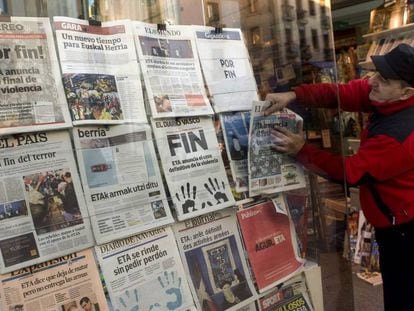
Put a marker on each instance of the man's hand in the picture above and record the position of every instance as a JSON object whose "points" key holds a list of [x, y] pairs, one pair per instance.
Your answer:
{"points": [[287, 141], [279, 101]]}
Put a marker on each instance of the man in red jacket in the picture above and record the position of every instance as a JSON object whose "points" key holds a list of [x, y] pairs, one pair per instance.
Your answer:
{"points": [[383, 167]]}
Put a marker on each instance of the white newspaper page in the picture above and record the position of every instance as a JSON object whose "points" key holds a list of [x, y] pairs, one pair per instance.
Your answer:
{"points": [[236, 137], [171, 71], [145, 272], [212, 252], [66, 283], [270, 171], [101, 75], [32, 96], [227, 69], [42, 208], [121, 179], [192, 165]]}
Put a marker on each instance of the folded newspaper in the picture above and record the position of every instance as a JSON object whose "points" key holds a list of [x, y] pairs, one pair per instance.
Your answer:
{"points": [[292, 296], [145, 272], [65, 283], [270, 171], [122, 182], [32, 97], [171, 71], [101, 74], [226, 68], [213, 255], [192, 165], [42, 209]]}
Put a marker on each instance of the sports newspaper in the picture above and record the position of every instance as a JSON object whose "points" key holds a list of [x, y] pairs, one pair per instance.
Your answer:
{"points": [[292, 296]]}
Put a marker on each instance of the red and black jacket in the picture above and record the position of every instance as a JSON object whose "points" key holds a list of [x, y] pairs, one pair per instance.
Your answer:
{"points": [[386, 154]]}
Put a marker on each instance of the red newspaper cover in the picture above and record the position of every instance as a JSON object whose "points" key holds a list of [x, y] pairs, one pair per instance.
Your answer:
{"points": [[269, 239]]}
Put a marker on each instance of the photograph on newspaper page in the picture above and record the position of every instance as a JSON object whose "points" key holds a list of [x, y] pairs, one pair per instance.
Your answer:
{"points": [[101, 75], [236, 138], [213, 257], [271, 244], [171, 70], [226, 67], [192, 165], [270, 171], [121, 179], [65, 283], [145, 272], [293, 295], [42, 208], [32, 97]]}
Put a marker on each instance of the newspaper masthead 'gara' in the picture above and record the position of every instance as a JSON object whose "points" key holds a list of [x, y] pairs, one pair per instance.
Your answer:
{"points": [[101, 75]]}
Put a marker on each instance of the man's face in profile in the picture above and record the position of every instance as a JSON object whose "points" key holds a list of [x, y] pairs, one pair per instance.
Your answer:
{"points": [[87, 306]]}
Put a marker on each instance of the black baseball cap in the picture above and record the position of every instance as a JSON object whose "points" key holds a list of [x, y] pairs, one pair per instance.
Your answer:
{"points": [[398, 64]]}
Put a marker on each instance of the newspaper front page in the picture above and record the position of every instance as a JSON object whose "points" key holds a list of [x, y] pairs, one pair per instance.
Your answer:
{"points": [[211, 249], [226, 68], [236, 137], [66, 283], [171, 71], [192, 165], [42, 208], [32, 95], [145, 272], [121, 179], [101, 75], [292, 296], [270, 171], [271, 243]]}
